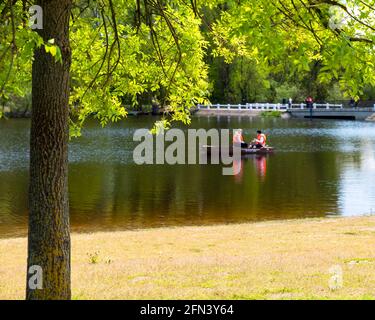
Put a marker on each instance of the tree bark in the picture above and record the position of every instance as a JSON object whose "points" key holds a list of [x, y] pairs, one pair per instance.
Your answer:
{"points": [[49, 231]]}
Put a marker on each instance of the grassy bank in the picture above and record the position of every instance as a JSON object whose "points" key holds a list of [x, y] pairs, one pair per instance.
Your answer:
{"points": [[268, 260], [271, 114]]}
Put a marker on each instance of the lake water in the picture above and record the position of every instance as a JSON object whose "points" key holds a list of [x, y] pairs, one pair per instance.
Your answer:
{"points": [[320, 168]]}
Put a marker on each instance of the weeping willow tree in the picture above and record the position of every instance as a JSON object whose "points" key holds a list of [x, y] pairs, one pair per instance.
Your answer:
{"points": [[91, 55]]}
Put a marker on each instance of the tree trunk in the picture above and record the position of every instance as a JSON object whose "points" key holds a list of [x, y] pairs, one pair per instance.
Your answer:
{"points": [[49, 231]]}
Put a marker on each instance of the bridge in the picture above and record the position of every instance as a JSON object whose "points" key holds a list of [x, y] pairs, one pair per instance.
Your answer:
{"points": [[319, 110]]}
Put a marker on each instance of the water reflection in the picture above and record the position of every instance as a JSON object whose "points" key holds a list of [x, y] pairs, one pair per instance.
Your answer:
{"points": [[261, 166], [238, 166], [259, 162], [319, 168], [356, 192]]}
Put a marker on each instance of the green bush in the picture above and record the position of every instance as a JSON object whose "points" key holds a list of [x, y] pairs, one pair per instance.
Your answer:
{"points": [[274, 114]]}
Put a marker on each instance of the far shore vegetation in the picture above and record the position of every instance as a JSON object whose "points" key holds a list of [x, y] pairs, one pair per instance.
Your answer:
{"points": [[271, 114]]}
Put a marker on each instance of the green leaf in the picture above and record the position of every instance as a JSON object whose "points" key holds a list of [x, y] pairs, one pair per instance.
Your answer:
{"points": [[53, 50]]}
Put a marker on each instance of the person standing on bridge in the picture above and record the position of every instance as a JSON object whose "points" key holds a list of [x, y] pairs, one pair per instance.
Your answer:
{"points": [[309, 102], [353, 103]]}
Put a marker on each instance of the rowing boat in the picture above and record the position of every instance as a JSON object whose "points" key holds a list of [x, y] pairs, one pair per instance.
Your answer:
{"points": [[244, 151]]}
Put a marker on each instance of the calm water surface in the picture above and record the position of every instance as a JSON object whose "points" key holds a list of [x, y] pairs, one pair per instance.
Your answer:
{"points": [[321, 168]]}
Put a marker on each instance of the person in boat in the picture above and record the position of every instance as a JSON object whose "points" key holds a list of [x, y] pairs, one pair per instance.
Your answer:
{"points": [[259, 141], [238, 139]]}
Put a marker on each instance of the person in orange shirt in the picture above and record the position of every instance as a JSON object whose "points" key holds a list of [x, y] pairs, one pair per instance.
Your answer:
{"points": [[260, 140]]}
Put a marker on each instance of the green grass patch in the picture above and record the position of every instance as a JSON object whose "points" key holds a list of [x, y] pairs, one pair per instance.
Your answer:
{"points": [[360, 260], [271, 114]]}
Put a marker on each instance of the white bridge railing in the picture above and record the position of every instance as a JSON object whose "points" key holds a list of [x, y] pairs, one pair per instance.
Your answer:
{"points": [[267, 106]]}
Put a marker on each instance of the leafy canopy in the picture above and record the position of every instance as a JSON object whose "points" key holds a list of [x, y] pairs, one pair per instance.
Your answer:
{"points": [[158, 50]]}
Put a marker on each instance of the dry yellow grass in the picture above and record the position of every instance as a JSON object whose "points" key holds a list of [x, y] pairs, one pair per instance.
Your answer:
{"points": [[267, 260]]}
